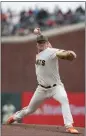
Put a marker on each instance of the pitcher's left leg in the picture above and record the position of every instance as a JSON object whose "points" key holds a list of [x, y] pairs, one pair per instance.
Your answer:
{"points": [[61, 96]]}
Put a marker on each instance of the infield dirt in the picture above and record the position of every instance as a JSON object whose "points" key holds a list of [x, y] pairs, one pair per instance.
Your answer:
{"points": [[37, 130]]}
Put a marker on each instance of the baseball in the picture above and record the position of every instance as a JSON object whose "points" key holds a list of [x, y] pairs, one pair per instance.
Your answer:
{"points": [[36, 31]]}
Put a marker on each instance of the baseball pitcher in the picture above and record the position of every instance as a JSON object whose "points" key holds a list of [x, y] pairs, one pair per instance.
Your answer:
{"points": [[49, 82]]}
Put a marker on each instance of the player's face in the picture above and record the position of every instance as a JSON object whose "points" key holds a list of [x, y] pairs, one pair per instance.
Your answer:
{"points": [[42, 46]]}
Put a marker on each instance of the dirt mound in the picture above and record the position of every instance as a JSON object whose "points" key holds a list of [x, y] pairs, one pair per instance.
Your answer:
{"points": [[37, 130]]}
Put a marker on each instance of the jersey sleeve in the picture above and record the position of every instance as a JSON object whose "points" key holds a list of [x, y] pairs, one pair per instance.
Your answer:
{"points": [[54, 52]]}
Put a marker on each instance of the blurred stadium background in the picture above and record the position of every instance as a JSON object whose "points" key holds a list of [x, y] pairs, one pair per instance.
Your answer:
{"points": [[66, 30]]}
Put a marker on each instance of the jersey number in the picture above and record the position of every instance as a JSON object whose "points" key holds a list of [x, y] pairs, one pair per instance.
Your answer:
{"points": [[40, 62]]}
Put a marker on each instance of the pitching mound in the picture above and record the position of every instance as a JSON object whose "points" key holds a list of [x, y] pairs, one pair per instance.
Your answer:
{"points": [[37, 130]]}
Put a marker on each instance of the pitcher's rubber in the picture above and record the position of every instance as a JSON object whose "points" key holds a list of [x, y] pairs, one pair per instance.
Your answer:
{"points": [[37, 130]]}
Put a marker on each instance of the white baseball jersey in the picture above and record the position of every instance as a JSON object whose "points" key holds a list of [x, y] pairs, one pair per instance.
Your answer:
{"points": [[47, 68], [47, 71]]}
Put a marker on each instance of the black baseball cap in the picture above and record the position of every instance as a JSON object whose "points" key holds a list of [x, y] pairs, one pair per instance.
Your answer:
{"points": [[42, 39]]}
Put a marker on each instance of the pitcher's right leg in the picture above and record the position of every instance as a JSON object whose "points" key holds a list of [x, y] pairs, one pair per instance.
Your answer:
{"points": [[61, 96], [38, 97]]}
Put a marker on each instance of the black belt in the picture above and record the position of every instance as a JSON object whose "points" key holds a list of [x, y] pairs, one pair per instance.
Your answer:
{"points": [[47, 86]]}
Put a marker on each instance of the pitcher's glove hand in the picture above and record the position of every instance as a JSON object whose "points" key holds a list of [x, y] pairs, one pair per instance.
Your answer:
{"points": [[71, 55]]}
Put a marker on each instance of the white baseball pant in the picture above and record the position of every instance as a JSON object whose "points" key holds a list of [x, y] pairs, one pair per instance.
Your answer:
{"points": [[58, 93]]}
